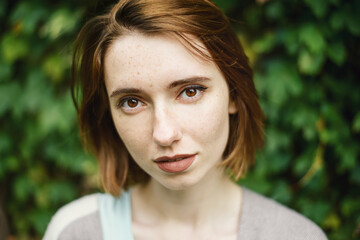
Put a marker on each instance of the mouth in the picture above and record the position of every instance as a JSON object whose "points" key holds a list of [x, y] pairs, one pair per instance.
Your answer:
{"points": [[175, 164], [174, 158]]}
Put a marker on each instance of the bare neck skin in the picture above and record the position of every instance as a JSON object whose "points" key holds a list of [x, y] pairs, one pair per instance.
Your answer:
{"points": [[210, 208]]}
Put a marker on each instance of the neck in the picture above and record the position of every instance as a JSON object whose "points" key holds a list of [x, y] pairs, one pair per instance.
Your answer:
{"points": [[196, 205]]}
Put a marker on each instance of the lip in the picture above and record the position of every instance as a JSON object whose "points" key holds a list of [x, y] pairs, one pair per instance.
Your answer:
{"points": [[175, 164], [173, 158]]}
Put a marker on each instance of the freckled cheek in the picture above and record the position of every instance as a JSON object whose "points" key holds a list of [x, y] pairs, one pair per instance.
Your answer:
{"points": [[134, 132], [207, 123]]}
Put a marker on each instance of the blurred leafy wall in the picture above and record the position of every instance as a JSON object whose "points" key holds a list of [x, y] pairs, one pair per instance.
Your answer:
{"points": [[306, 60]]}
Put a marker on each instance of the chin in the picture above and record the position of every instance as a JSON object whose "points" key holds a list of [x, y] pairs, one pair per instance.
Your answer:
{"points": [[179, 183]]}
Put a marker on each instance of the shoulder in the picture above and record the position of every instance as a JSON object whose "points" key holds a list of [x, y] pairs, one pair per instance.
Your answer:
{"points": [[76, 220], [263, 218]]}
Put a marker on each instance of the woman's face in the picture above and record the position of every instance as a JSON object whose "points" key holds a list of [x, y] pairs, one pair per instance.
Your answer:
{"points": [[170, 108]]}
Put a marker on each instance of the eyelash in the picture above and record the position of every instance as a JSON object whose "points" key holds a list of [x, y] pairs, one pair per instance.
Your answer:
{"points": [[197, 88], [124, 100]]}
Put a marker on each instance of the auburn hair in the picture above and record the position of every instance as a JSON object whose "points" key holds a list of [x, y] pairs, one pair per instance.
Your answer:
{"points": [[201, 19]]}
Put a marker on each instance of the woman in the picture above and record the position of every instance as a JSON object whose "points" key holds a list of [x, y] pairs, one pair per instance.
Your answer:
{"points": [[168, 106]]}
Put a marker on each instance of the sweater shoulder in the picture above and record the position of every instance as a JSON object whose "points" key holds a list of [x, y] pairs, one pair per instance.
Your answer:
{"points": [[75, 219], [264, 218]]}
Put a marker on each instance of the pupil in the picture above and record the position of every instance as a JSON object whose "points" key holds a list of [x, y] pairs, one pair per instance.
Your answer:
{"points": [[132, 103], [190, 92]]}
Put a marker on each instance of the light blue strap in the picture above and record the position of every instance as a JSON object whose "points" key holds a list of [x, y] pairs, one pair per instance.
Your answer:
{"points": [[115, 216]]}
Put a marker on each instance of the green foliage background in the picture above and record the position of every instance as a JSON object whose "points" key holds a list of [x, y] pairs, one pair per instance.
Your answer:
{"points": [[306, 59]]}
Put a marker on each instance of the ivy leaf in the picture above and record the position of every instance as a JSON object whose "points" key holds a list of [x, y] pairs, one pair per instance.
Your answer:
{"points": [[337, 53], [311, 36], [14, 47], [55, 66], [225, 5], [281, 192], [265, 43], [356, 123], [282, 81], [318, 7], [353, 20], [5, 71], [9, 92], [310, 64], [62, 21], [27, 16], [337, 20]]}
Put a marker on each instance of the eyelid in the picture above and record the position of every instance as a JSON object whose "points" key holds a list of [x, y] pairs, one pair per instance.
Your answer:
{"points": [[122, 100], [199, 88]]}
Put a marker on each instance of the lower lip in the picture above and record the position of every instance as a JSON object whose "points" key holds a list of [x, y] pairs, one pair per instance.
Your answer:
{"points": [[177, 166]]}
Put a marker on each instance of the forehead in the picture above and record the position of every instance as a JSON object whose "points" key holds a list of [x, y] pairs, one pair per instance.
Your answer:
{"points": [[137, 56]]}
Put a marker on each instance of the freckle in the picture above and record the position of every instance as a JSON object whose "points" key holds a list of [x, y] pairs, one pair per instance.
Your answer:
{"points": [[137, 73]]}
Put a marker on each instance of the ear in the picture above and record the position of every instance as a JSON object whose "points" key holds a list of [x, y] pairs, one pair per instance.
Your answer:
{"points": [[232, 107]]}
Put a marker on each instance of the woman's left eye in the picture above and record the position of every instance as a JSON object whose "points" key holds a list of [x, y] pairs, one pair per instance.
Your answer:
{"points": [[191, 92]]}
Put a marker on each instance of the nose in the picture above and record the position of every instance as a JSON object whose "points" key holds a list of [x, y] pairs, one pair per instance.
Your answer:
{"points": [[166, 131]]}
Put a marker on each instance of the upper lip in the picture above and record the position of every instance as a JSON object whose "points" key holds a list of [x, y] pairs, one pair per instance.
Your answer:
{"points": [[173, 158]]}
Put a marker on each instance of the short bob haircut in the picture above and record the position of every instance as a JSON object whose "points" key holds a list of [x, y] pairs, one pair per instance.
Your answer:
{"points": [[185, 19]]}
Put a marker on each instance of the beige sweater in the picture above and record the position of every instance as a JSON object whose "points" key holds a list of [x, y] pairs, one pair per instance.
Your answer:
{"points": [[261, 219]]}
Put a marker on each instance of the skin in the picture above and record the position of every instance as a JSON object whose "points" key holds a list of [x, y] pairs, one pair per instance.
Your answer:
{"points": [[165, 101]]}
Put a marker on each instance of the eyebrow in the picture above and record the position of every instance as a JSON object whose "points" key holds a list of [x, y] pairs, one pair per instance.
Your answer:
{"points": [[172, 85], [187, 81], [124, 90]]}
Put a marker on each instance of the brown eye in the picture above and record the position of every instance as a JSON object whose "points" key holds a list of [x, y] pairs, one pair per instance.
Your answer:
{"points": [[132, 103], [129, 103], [190, 92]]}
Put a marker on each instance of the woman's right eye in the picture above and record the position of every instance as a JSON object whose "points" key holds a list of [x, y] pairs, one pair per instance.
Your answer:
{"points": [[130, 104]]}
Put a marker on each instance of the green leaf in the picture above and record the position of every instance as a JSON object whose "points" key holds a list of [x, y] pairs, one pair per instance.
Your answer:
{"points": [[355, 175], [348, 155], [56, 65], [310, 64], [27, 16], [61, 191], [315, 209], [35, 93], [279, 163], [265, 43], [62, 21], [353, 21], [256, 184], [337, 20], [337, 53], [5, 142], [12, 163], [281, 192], [5, 72], [312, 37], [23, 188], [40, 219], [57, 115], [9, 93], [318, 7], [282, 81], [225, 5], [349, 205], [291, 40], [274, 10], [14, 47], [3, 8], [332, 221], [304, 162], [356, 123], [305, 118]]}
